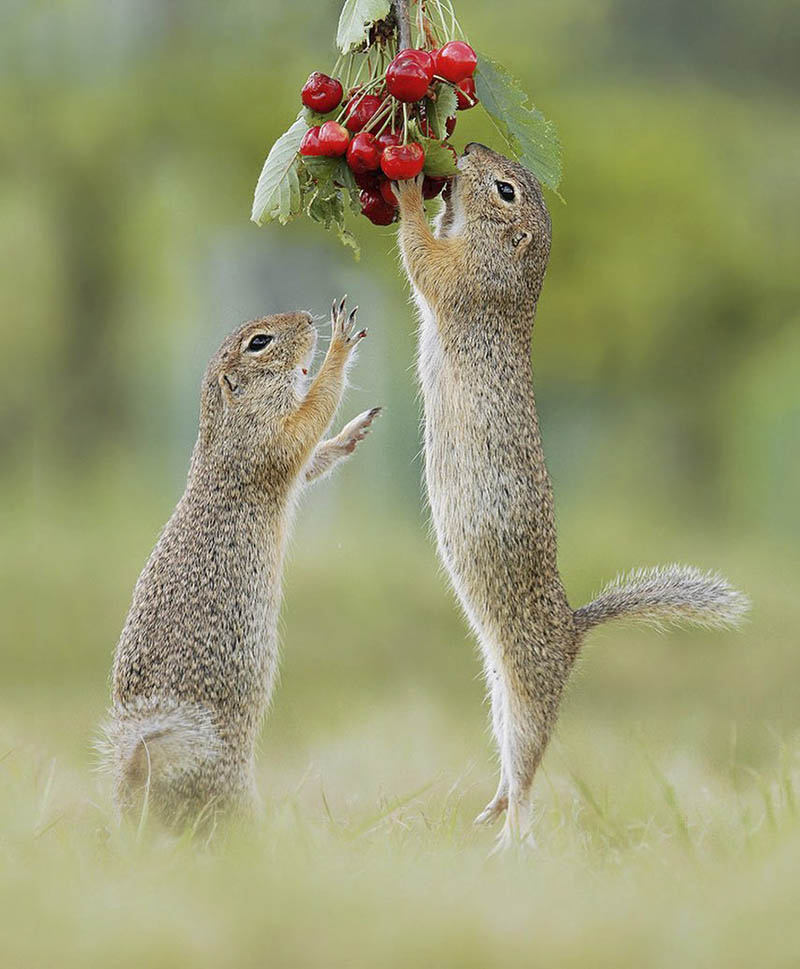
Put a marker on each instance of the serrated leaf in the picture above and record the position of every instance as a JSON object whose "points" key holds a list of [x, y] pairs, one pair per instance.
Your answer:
{"points": [[530, 136], [354, 198], [439, 160], [326, 205], [437, 112], [347, 238], [278, 194], [346, 178], [289, 196], [334, 170], [312, 118], [326, 208], [356, 18]]}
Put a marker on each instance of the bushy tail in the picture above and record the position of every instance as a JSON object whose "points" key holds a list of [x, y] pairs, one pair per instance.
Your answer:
{"points": [[664, 595], [152, 740]]}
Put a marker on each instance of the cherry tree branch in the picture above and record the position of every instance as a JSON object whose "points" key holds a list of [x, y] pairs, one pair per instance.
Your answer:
{"points": [[403, 15]]}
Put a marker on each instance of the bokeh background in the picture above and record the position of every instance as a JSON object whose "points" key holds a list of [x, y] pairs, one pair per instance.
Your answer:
{"points": [[667, 362]]}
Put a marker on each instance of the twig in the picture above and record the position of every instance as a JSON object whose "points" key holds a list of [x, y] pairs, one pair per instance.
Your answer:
{"points": [[401, 12]]}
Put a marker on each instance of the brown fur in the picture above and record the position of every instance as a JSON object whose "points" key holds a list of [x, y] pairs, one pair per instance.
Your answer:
{"points": [[477, 283], [196, 661]]}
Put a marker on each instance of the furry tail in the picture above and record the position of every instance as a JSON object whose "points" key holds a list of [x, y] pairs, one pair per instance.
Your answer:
{"points": [[156, 741], [667, 594]]}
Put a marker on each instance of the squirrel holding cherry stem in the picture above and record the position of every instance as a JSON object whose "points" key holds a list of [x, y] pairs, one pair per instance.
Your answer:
{"points": [[476, 280], [196, 661]]}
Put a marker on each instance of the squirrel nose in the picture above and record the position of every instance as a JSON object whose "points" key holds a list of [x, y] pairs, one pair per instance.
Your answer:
{"points": [[474, 144]]}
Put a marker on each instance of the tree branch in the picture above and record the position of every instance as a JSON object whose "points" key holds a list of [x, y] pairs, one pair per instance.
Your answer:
{"points": [[403, 15]]}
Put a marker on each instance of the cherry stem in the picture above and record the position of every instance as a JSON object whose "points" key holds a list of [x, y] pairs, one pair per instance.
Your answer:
{"points": [[360, 97], [384, 111], [456, 88]]}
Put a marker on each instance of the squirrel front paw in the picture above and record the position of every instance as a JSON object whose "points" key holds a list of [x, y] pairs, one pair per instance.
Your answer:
{"points": [[356, 430], [408, 193], [343, 327]]}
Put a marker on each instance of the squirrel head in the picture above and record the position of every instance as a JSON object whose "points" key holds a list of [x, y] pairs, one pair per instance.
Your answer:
{"points": [[497, 206], [256, 376]]}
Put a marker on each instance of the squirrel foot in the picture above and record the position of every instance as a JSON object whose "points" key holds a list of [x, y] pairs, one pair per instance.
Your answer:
{"points": [[493, 810], [517, 831], [510, 841]]}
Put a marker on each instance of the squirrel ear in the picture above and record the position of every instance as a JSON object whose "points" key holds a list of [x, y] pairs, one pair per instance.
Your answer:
{"points": [[230, 386], [521, 239]]}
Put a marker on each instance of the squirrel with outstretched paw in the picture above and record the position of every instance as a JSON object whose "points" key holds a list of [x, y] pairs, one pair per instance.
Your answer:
{"points": [[476, 280], [196, 661]]}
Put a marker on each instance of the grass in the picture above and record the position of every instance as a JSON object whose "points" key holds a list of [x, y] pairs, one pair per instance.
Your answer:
{"points": [[656, 864], [667, 807]]}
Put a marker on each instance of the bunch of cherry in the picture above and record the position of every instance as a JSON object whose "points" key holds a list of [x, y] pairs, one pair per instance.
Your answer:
{"points": [[365, 133]]}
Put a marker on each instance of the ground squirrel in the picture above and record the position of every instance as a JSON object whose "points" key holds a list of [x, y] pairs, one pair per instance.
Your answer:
{"points": [[477, 281], [195, 664]]}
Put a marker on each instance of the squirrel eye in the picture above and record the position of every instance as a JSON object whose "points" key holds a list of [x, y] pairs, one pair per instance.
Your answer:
{"points": [[259, 341], [505, 191]]}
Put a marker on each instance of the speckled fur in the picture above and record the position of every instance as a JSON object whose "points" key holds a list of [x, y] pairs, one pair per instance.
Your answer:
{"points": [[476, 282], [196, 661]]}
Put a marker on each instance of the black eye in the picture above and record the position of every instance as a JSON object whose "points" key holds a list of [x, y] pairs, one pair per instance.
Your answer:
{"points": [[259, 341], [505, 191]]}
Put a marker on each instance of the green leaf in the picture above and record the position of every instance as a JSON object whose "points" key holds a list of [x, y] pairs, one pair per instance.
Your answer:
{"points": [[345, 177], [531, 138], [437, 112], [278, 194], [312, 118], [326, 208], [335, 170], [347, 238], [326, 205], [439, 160], [356, 18]]}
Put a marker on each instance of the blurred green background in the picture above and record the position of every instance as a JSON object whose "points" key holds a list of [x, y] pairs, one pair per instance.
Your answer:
{"points": [[667, 362]]}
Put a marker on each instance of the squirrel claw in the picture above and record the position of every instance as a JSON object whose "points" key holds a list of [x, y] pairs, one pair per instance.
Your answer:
{"points": [[343, 324], [407, 189], [493, 810], [358, 429]]}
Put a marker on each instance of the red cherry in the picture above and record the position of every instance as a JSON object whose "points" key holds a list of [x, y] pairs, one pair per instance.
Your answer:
{"points": [[409, 75], [450, 125], [360, 109], [431, 186], [387, 138], [465, 94], [403, 161], [321, 93], [333, 139], [388, 195], [455, 61], [370, 180], [363, 154], [375, 208], [423, 57], [310, 144]]}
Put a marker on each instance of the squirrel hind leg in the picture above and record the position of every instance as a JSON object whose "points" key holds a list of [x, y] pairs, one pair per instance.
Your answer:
{"points": [[497, 806], [527, 723]]}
